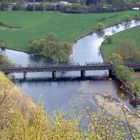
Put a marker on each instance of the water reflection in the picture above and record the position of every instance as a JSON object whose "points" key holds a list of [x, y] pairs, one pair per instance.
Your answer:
{"points": [[59, 95], [100, 34], [127, 25]]}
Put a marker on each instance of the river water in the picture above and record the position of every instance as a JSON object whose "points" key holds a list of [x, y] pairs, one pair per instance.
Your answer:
{"points": [[61, 95]]}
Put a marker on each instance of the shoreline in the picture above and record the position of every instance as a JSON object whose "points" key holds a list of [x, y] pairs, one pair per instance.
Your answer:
{"points": [[101, 52], [73, 44], [94, 30], [77, 38]]}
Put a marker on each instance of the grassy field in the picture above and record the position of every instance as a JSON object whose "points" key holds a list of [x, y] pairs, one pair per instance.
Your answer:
{"points": [[139, 80], [133, 33], [67, 27]]}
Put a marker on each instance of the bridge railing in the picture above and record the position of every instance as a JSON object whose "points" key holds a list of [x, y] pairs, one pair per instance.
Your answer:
{"points": [[71, 67]]}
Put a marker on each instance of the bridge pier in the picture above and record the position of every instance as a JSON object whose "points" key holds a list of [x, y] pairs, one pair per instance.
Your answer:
{"points": [[83, 74], [24, 75], [53, 74], [80, 68], [13, 77], [111, 74]]}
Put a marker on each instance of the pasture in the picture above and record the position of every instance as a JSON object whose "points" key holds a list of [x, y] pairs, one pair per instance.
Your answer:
{"points": [[67, 27], [133, 33]]}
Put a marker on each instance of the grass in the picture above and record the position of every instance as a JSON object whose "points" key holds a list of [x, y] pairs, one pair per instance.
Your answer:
{"points": [[133, 33], [67, 27], [138, 79]]}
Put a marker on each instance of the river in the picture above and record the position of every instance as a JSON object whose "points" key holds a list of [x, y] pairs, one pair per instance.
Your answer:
{"points": [[61, 95]]}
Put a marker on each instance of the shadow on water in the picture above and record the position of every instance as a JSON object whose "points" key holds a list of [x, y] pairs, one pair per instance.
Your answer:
{"points": [[100, 33], [60, 79], [38, 59], [58, 93]]}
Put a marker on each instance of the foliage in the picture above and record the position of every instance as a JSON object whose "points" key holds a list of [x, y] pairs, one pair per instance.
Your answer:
{"points": [[32, 123], [125, 75], [128, 18], [57, 5], [4, 60], [40, 127], [108, 39], [52, 48], [100, 26], [126, 48], [75, 8], [129, 49], [135, 87], [116, 59]]}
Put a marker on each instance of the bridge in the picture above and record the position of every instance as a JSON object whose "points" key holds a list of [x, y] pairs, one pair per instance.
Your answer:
{"points": [[64, 68]]}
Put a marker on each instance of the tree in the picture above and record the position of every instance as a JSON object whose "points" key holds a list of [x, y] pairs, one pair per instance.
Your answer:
{"points": [[88, 2], [108, 39], [4, 61], [100, 26], [116, 59], [38, 125], [126, 48], [136, 56], [52, 48], [124, 74]]}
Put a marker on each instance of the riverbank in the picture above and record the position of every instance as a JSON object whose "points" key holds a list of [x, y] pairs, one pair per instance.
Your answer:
{"points": [[59, 94], [107, 49], [65, 26], [118, 110]]}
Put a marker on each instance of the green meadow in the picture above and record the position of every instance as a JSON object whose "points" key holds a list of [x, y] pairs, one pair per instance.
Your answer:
{"points": [[133, 33], [67, 27]]}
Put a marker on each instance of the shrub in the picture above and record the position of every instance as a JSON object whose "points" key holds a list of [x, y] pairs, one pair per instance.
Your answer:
{"points": [[52, 48], [100, 26], [29, 7], [108, 39]]}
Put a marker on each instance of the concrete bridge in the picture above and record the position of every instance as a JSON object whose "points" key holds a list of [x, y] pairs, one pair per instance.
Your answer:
{"points": [[64, 68]]}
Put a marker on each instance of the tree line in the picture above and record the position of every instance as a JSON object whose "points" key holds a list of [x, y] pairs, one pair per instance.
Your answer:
{"points": [[74, 6]]}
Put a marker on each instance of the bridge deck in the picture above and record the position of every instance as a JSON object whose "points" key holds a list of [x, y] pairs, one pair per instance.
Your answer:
{"points": [[51, 68]]}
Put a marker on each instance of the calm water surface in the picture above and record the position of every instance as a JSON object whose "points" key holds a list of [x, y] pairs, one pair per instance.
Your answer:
{"points": [[60, 95]]}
